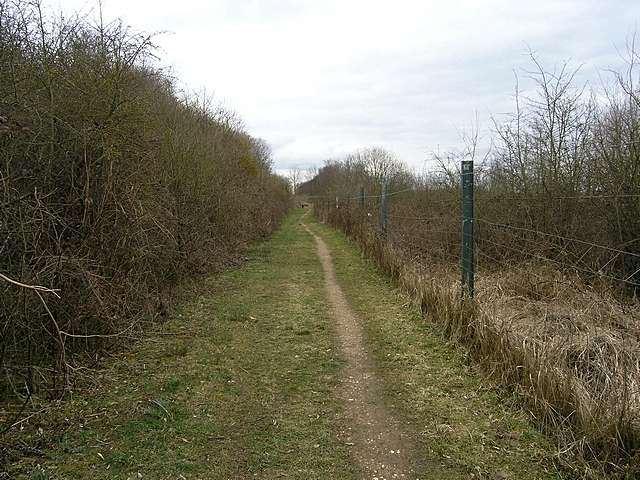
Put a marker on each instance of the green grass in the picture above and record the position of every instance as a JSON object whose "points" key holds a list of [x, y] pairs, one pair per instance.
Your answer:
{"points": [[238, 384], [464, 427]]}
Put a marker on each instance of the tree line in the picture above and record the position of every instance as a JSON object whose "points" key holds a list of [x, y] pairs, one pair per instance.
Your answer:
{"points": [[115, 185]]}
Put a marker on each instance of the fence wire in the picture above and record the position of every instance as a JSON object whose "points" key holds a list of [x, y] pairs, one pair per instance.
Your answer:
{"points": [[421, 221]]}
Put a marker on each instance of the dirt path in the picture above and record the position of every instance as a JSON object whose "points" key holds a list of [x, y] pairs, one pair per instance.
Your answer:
{"points": [[380, 448]]}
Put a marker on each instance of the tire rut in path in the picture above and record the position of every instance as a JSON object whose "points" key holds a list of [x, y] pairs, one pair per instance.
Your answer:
{"points": [[380, 448]]}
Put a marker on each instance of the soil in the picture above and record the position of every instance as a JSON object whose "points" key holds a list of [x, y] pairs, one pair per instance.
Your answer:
{"points": [[380, 447]]}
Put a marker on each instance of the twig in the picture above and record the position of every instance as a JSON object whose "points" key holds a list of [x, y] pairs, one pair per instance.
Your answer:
{"points": [[37, 288], [13, 423], [158, 404]]}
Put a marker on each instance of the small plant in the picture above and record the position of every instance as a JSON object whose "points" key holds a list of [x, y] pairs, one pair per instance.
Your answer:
{"points": [[39, 473]]}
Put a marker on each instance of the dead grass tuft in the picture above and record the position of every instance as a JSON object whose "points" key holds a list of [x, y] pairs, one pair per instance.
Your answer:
{"points": [[569, 349]]}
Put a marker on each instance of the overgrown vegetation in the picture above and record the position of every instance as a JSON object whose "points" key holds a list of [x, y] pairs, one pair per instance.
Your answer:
{"points": [[114, 186], [558, 255]]}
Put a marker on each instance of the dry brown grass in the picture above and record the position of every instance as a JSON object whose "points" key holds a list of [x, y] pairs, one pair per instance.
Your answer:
{"points": [[568, 348]]}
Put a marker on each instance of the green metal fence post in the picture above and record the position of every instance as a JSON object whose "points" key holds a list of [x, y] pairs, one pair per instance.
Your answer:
{"points": [[361, 198], [468, 267], [384, 210]]}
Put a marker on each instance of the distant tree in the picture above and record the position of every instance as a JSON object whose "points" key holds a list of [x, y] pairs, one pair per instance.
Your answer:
{"points": [[296, 177]]}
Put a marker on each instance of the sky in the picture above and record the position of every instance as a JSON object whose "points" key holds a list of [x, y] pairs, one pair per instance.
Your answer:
{"points": [[318, 79]]}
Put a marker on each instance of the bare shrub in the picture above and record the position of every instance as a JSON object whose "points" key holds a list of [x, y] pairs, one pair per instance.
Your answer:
{"points": [[114, 186]]}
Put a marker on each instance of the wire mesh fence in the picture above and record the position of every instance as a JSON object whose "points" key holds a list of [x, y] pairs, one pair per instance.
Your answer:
{"points": [[555, 312], [420, 215]]}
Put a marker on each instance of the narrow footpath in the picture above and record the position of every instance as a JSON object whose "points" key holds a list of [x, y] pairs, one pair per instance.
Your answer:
{"points": [[304, 363], [381, 449]]}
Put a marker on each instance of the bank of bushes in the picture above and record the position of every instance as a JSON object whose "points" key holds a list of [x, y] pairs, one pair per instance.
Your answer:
{"points": [[114, 187]]}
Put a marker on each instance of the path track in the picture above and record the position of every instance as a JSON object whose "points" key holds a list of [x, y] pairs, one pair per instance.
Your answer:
{"points": [[380, 447], [273, 370]]}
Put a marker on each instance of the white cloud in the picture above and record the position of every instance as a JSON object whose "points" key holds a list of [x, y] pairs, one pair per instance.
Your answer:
{"points": [[319, 78]]}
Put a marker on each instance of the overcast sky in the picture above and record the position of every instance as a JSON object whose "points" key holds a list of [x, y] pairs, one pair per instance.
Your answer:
{"points": [[320, 78]]}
